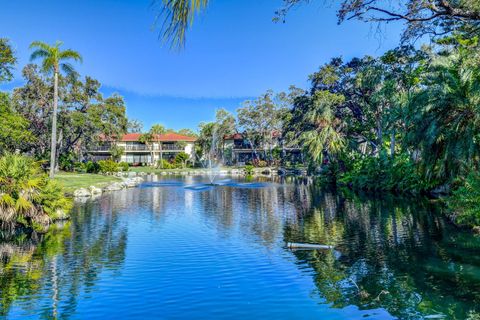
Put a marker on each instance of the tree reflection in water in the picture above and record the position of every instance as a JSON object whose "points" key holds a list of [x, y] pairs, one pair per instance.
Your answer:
{"points": [[391, 253], [394, 253], [57, 266]]}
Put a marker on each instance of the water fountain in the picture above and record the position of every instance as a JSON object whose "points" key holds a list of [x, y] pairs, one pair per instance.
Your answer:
{"points": [[213, 171]]}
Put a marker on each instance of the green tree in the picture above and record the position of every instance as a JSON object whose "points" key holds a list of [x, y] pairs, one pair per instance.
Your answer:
{"points": [[156, 130], [148, 139], [445, 112], [7, 60], [322, 133], [14, 128], [182, 158], [116, 152], [262, 120], [54, 60], [134, 126], [187, 132], [85, 117]]}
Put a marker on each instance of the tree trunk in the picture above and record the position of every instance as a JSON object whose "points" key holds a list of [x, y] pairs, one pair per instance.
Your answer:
{"points": [[54, 126], [152, 152], [161, 155]]}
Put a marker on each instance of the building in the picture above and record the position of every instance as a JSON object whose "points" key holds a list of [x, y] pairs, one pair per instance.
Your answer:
{"points": [[240, 150], [165, 146]]}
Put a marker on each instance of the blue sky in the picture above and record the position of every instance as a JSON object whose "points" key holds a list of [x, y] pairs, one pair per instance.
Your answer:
{"points": [[233, 52]]}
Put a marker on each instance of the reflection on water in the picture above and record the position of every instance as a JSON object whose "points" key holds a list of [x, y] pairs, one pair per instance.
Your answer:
{"points": [[172, 249]]}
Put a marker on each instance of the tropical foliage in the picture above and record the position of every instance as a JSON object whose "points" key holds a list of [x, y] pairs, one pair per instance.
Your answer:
{"points": [[27, 196], [54, 61], [465, 201]]}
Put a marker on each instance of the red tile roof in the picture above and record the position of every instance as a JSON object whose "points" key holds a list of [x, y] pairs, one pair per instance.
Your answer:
{"points": [[161, 137]]}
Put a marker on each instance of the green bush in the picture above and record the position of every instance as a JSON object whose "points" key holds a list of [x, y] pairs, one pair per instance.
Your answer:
{"points": [[66, 161], [124, 166], [27, 196], [383, 174], [79, 167], [108, 166], [164, 164], [465, 201], [181, 159], [92, 167], [248, 169]]}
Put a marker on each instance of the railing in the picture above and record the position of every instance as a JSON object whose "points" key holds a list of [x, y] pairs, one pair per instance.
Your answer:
{"points": [[172, 147], [140, 147], [98, 158], [103, 148], [137, 148]]}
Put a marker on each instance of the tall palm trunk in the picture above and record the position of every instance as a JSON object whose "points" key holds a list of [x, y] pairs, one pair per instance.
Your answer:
{"points": [[54, 126]]}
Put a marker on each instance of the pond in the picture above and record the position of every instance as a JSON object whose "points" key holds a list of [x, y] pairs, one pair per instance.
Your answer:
{"points": [[177, 248]]}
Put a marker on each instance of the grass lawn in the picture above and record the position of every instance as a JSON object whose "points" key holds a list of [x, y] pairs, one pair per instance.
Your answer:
{"points": [[73, 181]]}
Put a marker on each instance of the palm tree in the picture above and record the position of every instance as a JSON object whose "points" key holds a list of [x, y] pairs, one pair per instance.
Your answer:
{"points": [[322, 132], [147, 138], [156, 131], [447, 117], [54, 61]]}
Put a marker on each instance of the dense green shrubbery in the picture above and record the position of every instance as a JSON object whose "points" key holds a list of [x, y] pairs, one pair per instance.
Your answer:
{"points": [[164, 164], [27, 196], [465, 201], [92, 167], [123, 166], [248, 169], [108, 166], [383, 174], [66, 161], [181, 159], [179, 162]]}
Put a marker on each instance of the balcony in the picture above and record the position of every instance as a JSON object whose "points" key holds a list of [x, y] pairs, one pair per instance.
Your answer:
{"points": [[102, 148], [172, 147], [139, 147], [242, 146]]}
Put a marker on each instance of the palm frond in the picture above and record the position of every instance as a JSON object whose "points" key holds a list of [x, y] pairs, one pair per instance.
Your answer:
{"points": [[176, 16], [40, 45], [67, 68], [70, 54]]}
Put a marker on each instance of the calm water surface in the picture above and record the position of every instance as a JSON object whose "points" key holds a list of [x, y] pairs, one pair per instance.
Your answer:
{"points": [[174, 248]]}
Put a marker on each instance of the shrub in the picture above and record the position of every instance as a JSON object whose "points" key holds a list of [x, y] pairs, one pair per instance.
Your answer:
{"points": [[66, 161], [261, 163], [79, 167], [181, 159], [108, 166], [164, 164], [248, 170], [465, 201], [27, 196], [92, 167], [124, 166], [383, 174]]}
